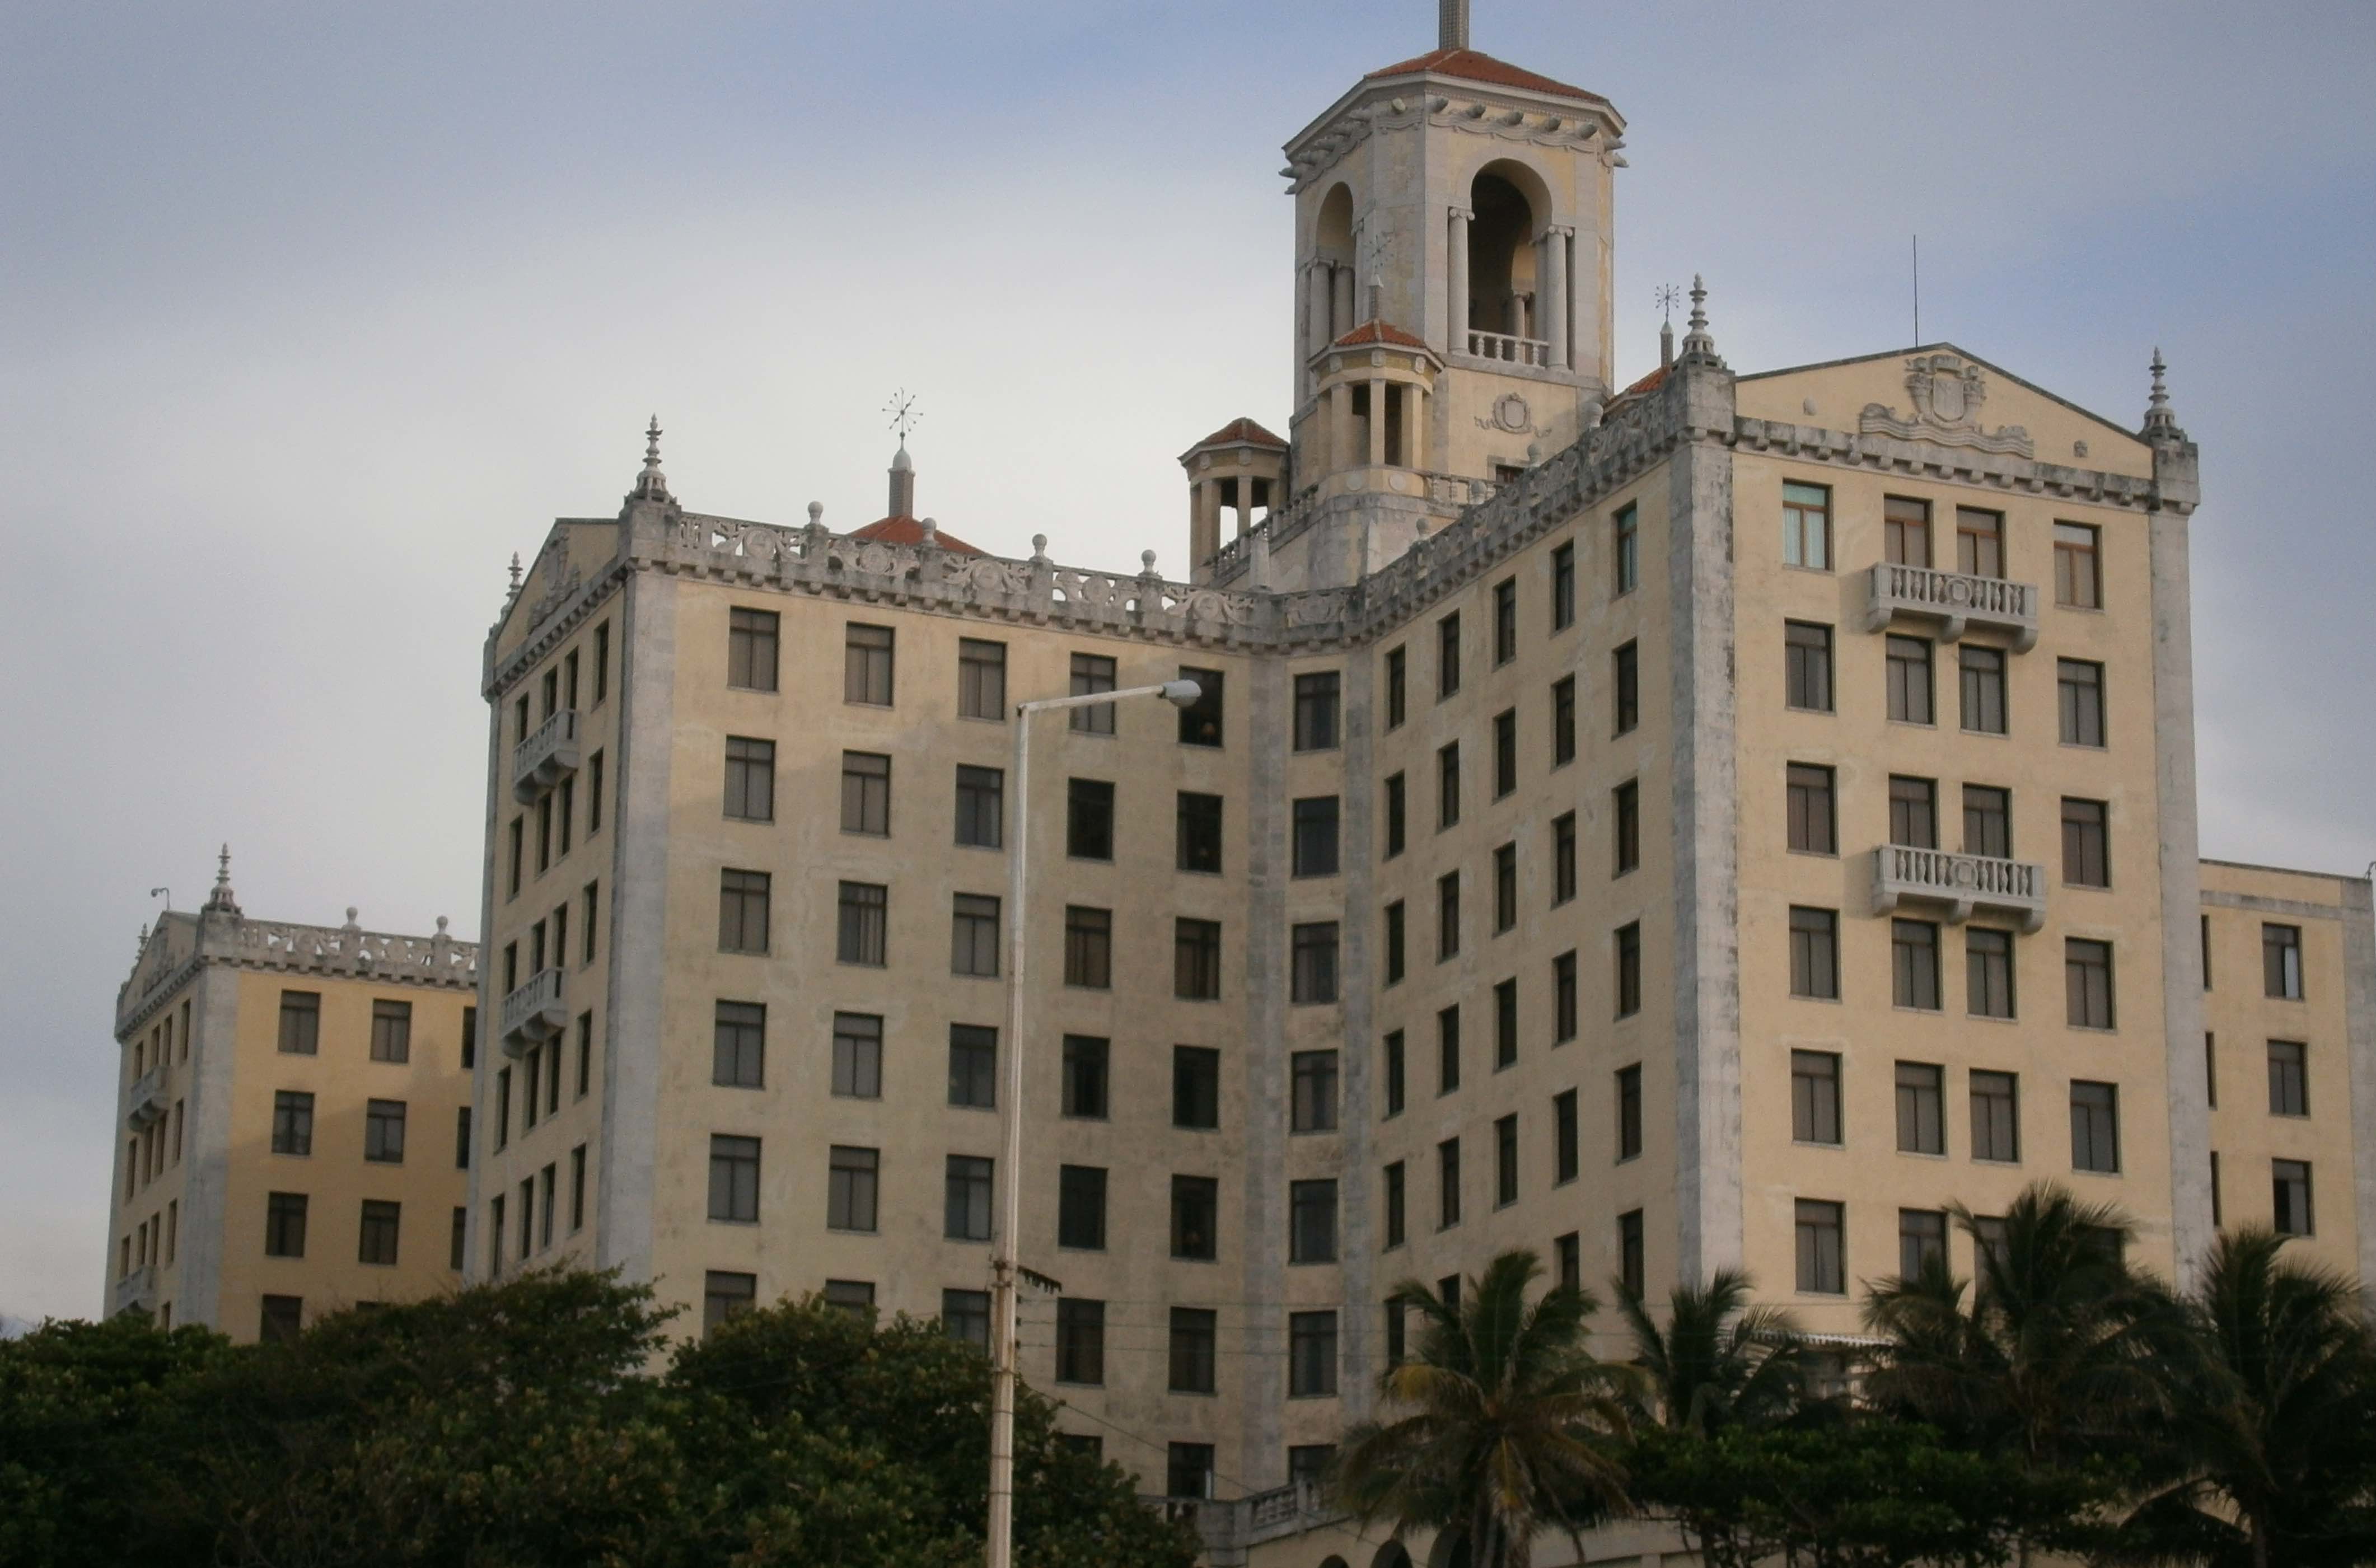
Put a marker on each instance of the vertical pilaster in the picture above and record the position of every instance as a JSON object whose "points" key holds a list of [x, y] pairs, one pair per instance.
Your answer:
{"points": [[1377, 431], [1458, 270], [1412, 456], [1555, 295], [1341, 319]]}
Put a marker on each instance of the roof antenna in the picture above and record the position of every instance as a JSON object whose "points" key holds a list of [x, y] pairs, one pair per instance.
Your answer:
{"points": [[1918, 291]]}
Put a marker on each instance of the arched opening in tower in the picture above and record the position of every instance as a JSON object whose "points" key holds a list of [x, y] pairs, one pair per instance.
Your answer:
{"points": [[1502, 285]]}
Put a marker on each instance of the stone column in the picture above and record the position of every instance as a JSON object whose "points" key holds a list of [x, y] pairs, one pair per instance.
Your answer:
{"points": [[1458, 258], [1317, 305], [1340, 426], [1555, 297], [1245, 501], [1341, 319], [1199, 551], [1377, 421], [1411, 396]]}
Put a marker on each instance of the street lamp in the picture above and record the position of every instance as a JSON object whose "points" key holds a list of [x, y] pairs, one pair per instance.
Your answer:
{"points": [[1003, 1264]]}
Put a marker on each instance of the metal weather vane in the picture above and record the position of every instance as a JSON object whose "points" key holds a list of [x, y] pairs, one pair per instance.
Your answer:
{"points": [[905, 415], [1669, 297]]}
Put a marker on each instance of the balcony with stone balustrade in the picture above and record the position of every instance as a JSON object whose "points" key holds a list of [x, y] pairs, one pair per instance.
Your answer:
{"points": [[534, 1012], [145, 1103], [1503, 348], [1962, 885], [546, 755], [137, 1291], [1954, 601]]}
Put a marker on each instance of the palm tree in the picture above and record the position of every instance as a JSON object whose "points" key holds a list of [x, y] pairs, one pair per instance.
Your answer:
{"points": [[1719, 1361], [2272, 1418], [1511, 1419]]}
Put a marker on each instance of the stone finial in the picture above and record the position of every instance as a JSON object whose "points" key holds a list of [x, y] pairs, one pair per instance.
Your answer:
{"points": [[903, 483], [141, 948], [931, 531], [1040, 549], [223, 901], [2159, 420], [440, 925], [651, 484], [1697, 344], [816, 514], [516, 578]]}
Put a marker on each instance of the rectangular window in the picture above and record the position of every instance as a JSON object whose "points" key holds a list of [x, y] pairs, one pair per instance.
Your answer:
{"points": [[1807, 665], [855, 1296], [1629, 969], [1505, 621], [1312, 1221], [577, 1189], [601, 663], [739, 1047], [852, 1183], [1505, 1161], [456, 1257], [1505, 888], [1506, 1024], [588, 904], [1397, 687], [1396, 1062], [2079, 686], [1562, 720], [1908, 668], [283, 1317], [1815, 1097], [1625, 550], [1315, 836], [2216, 1218], [2078, 580], [1447, 656], [1807, 526], [1199, 831], [751, 639], [1310, 1357], [981, 679], [1195, 1217], [1397, 1206], [742, 911], [1563, 585], [1913, 812], [965, 1209], [1823, 1268], [1979, 543], [284, 1224], [1505, 751], [1816, 953], [462, 1139], [293, 1123], [1200, 722], [1196, 961], [1988, 973], [1393, 941], [750, 780], [1447, 786], [1089, 817], [973, 936], [391, 1036], [1086, 1080], [1081, 1207], [519, 827], [973, 1065], [1629, 1112], [981, 807], [1194, 1337], [725, 1296], [594, 794], [1447, 914], [2289, 1184], [502, 1107], [1447, 1184], [1447, 1050], [381, 1221], [1315, 711], [1632, 1266], [1904, 531], [2088, 983], [1996, 1117], [1988, 820], [866, 666], [1313, 1075], [2211, 1069], [2288, 1078], [1914, 964], [1396, 794], [1088, 947], [2095, 1127], [1921, 1108], [1563, 998], [1188, 1469], [1080, 1340], [1626, 688], [2086, 845], [1312, 976], [1811, 814], [469, 1021], [1092, 673], [1983, 689], [384, 1131], [2281, 961], [1195, 1086], [857, 1054], [734, 1179], [1566, 1150], [1922, 1242]]}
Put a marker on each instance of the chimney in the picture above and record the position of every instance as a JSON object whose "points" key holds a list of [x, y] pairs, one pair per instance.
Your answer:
{"points": [[1666, 344], [1452, 24], [903, 484]]}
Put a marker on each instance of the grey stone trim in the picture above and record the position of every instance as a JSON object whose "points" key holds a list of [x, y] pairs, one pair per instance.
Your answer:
{"points": [[2293, 907], [2359, 1034], [349, 952], [1263, 1402], [2181, 881], [1944, 465], [482, 1072], [635, 1009], [1357, 1319], [207, 1128], [1705, 799]]}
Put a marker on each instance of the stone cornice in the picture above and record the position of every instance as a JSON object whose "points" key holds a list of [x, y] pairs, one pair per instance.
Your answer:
{"points": [[346, 952], [1951, 465], [1518, 115]]}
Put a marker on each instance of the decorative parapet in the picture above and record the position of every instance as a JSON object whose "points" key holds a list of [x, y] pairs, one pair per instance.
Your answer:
{"points": [[1232, 1527], [145, 1103], [534, 1012], [137, 1291], [1965, 883], [1501, 347], [1925, 457], [173, 955], [545, 755], [1956, 600]]}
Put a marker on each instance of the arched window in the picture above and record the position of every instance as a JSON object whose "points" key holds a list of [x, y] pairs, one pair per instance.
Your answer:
{"points": [[1330, 300], [1509, 272]]}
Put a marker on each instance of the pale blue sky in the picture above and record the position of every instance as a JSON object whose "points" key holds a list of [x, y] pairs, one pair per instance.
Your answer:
{"points": [[310, 315]]}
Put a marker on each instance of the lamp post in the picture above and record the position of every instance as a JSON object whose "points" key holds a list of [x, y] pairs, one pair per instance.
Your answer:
{"points": [[1004, 1262]]}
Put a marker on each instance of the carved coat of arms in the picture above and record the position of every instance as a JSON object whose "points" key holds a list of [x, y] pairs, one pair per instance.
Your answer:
{"points": [[1946, 391]]}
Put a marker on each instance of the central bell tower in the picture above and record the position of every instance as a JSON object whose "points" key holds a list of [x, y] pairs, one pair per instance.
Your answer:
{"points": [[1453, 311]]}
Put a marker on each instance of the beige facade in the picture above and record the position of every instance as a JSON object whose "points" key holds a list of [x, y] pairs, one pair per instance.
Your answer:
{"points": [[1722, 823], [293, 1110]]}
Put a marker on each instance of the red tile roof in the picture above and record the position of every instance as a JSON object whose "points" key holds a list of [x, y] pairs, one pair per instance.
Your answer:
{"points": [[1649, 383], [1237, 430], [907, 531], [1479, 67], [1377, 331]]}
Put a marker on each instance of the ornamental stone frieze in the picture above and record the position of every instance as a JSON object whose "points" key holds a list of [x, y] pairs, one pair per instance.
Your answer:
{"points": [[1947, 391]]}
